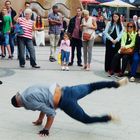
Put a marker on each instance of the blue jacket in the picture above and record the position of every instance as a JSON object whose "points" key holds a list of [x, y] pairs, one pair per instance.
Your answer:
{"points": [[109, 30]]}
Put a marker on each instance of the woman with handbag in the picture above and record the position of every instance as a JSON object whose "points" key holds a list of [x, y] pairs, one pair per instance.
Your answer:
{"points": [[26, 39], [136, 57], [126, 50], [113, 33], [88, 27]]}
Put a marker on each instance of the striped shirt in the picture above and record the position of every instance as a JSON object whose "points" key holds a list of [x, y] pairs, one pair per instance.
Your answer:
{"points": [[27, 26]]}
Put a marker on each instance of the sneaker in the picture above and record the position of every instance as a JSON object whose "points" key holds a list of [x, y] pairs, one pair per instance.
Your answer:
{"points": [[110, 73], [63, 68], [123, 81], [70, 64], [10, 57], [35, 66], [22, 66], [132, 79], [52, 59], [3, 56], [115, 118], [80, 65], [67, 68], [120, 74]]}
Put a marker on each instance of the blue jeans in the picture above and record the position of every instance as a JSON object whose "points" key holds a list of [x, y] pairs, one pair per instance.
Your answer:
{"points": [[6, 39], [30, 47], [65, 56], [136, 60], [11, 41], [70, 96]]}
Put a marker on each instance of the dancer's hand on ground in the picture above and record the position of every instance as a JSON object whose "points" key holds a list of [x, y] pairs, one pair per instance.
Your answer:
{"points": [[38, 122], [43, 133]]}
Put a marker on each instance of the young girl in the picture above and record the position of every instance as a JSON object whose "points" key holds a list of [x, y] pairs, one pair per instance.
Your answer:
{"points": [[65, 50]]}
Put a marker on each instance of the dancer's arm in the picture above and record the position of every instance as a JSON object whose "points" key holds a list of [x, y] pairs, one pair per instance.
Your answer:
{"points": [[49, 122], [45, 131]]}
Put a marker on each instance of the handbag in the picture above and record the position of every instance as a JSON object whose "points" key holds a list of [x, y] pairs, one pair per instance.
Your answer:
{"points": [[18, 30], [59, 58], [86, 36], [129, 51]]}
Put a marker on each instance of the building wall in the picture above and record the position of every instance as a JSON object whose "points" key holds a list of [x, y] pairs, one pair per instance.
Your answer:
{"points": [[47, 4], [15, 4]]}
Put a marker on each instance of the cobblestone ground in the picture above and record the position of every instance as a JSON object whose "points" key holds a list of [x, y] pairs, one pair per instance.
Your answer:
{"points": [[16, 124]]}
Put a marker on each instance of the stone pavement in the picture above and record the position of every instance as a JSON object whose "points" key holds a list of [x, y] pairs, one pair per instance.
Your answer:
{"points": [[16, 124]]}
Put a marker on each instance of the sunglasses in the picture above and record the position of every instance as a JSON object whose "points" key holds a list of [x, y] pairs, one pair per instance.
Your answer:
{"points": [[129, 26]]}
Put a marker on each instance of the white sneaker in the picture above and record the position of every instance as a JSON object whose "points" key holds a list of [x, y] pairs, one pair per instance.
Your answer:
{"points": [[132, 79], [115, 118], [63, 68], [123, 81], [67, 68]]}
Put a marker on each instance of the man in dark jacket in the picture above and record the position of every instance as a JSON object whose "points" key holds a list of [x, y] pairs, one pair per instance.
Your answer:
{"points": [[75, 33]]}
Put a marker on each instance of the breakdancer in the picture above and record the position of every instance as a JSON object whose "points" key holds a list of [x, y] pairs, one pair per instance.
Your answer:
{"points": [[47, 99]]}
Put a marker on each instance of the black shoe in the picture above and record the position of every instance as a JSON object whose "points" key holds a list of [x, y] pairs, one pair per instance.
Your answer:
{"points": [[0, 82], [35, 66], [22, 66], [52, 59], [70, 64], [10, 57], [120, 74], [2, 56], [80, 65]]}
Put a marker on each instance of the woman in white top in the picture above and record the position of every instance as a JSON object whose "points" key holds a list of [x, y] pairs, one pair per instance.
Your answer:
{"points": [[88, 26], [39, 31]]}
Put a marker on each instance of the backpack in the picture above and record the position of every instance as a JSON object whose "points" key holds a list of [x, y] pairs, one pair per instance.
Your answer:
{"points": [[18, 30]]}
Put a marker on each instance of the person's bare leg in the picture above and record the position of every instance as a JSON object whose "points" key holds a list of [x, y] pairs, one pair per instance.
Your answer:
{"points": [[9, 50], [2, 50]]}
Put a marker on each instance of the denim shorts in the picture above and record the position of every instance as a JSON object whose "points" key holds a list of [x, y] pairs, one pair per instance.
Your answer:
{"points": [[6, 39]]}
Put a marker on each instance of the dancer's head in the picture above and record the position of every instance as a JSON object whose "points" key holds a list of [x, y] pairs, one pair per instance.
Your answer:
{"points": [[14, 100]]}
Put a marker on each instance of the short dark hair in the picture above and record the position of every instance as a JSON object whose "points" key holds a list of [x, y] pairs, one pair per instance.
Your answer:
{"points": [[55, 7], [7, 1], [79, 8], [27, 2], [14, 101]]}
